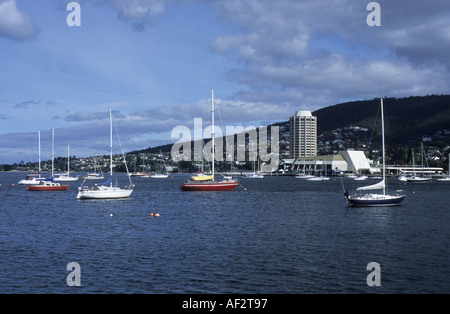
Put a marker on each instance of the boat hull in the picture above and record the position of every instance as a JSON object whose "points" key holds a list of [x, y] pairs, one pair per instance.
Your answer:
{"points": [[418, 179], [110, 193], [66, 179], [374, 200], [159, 176], [209, 186], [53, 187]]}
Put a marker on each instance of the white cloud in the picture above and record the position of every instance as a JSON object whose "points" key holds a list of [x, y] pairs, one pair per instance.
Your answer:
{"points": [[14, 24], [321, 52], [140, 13]]}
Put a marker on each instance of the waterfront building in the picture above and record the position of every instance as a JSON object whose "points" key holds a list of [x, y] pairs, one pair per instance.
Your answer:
{"points": [[357, 162], [303, 135], [346, 161]]}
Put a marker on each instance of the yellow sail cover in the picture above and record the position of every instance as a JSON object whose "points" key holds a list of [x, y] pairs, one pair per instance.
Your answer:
{"points": [[202, 178]]}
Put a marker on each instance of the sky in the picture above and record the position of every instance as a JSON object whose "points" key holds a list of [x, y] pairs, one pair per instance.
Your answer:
{"points": [[155, 62]]}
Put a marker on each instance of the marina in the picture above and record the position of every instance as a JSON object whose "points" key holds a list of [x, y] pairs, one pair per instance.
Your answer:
{"points": [[290, 147], [279, 235]]}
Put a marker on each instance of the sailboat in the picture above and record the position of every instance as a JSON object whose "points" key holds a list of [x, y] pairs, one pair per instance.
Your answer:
{"points": [[139, 174], [375, 199], [210, 184], [31, 177], [66, 177], [160, 175], [420, 177], [48, 184], [447, 178], [255, 174], [105, 190], [94, 175]]}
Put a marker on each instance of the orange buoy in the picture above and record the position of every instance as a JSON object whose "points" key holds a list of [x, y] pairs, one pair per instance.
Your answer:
{"points": [[151, 214]]}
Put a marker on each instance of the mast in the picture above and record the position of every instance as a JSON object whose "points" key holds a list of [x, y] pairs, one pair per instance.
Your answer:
{"points": [[212, 133], [39, 152], [110, 144], [53, 150], [68, 160], [382, 133]]}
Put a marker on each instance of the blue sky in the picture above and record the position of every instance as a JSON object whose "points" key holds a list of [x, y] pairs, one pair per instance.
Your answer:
{"points": [[154, 63]]}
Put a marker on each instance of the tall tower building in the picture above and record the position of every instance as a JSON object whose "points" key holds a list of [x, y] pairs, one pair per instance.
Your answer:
{"points": [[303, 135]]}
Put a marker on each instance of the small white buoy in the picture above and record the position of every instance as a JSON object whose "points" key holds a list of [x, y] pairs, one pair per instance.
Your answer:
{"points": [[156, 215], [110, 215]]}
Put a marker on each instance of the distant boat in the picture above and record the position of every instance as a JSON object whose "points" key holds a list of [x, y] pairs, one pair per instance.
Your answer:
{"points": [[375, 199], [105, 190], [94, 175], [31, 178], [447, 178], [361, 178], [137, 173], [255, 176], [210, 184], [159, 175], [303, 176], [402, 178], [48, 184], [418, 177], [66, 177], [319, 178], [140, 174]]}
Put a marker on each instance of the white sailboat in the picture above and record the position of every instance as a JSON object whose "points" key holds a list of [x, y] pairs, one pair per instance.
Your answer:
{"points": [[66, 177], [375, 199], [160, 175], [31, 177], [255, 174], [415, 177], [106, 190], [94, 175]]}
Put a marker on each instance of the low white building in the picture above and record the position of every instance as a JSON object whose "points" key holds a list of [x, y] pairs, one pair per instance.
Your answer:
{"points": [[344, 162], [357, 161]]}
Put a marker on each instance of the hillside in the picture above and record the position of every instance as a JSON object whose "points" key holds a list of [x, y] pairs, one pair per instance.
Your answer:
{"points": [[406, 119]]}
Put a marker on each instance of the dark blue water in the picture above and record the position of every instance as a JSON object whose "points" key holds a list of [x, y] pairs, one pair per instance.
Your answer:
{"points": [[281, 235]]}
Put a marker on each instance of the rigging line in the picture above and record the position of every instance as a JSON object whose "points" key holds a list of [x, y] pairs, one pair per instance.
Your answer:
{"points": [[123, 155], [373, 128], [224, 137]]}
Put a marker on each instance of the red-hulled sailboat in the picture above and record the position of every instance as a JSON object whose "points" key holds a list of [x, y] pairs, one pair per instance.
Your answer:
{"points": [[208, 183], [48, 184]]}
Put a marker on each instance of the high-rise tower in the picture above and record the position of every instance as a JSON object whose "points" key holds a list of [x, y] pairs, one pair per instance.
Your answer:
{"points": [[303, 135]]}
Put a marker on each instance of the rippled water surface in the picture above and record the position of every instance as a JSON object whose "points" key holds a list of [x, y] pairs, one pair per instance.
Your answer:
{"points": [[280, 235]]}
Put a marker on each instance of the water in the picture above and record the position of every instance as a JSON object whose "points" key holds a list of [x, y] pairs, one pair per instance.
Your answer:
{"points": [[280, 236]]}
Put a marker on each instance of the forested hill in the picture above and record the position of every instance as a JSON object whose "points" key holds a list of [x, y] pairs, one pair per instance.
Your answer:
{"points": [[406, 119]]}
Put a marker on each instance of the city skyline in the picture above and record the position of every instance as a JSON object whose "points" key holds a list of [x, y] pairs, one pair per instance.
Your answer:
{"points": [[154, 62]]}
